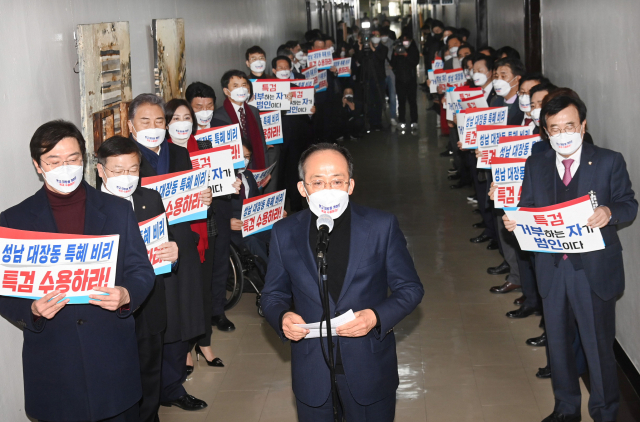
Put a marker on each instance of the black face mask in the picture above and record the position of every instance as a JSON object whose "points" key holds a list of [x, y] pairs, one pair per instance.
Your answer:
{"points": [[437, 36]]}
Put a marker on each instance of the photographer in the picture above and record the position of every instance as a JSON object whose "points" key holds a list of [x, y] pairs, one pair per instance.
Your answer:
{"points": [[404, 61], [371, 55], [351, 116]]}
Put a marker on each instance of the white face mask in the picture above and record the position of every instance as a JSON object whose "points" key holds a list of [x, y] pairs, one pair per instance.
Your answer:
{"points": [[283, 74], [444, 40], [566, 144], [332, 49], [64, 179], [406, 44], [303, 61], [204, 117], [300, 55], [375, 40], [384, 39], [524, 101], [535, 116], [180, 132], [150, 138], [447, 57], [122, 186], [502, 87], [240, 94], [246, 163], [343, 54], [479, 79], [331, 202], [258, 66], [453, 51]]}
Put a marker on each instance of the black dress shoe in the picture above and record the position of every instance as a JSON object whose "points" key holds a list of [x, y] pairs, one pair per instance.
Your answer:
{"points": [[186, 402], [453, 176], [189, 369], [505, 288], [493, 245], [475, 211], [479, 225], [217, 362], [446, 153], [523, 312], [538, 341], [503, 268], [544, 372], [520, 301], [480, 239], [222, 323], [559, 417]]}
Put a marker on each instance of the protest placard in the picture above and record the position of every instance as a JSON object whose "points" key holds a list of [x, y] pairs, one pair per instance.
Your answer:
{"points": [[302, 100], [323, 83], [322, 59], [507, 195], [433, 85], [441, 78], [261, 212], [479, 116], [303, 83], [260, 175], [223, 136], [34, 264], [437, 64], [180, 194], [311, 73], [219, 162], [488, 137], [272, 127], [507, 170], [343, 66], [154, 233], [271, 94], [455, 77], [477, 101], [455, 97], [560, 228], [516, 146]]}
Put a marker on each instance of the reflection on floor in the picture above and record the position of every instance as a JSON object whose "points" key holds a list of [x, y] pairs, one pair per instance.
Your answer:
{"points": [[460, 358]]}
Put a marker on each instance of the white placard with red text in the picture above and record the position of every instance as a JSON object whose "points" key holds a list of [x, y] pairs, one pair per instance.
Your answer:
{"points": [[272, 127], [507, 170], [560, 228], [488, 138], [441, 78], [323, 83], [260, 213], [222, 136], [507, 195], [437, 64], [271, 94], [180, 194], [260, 175], [34, 264], [219, 162], [311, 73], [302, 100], [303, 83], [455, 77], [154, 233], [477, 101], [433, 85], [343, 66], [479, 116], [322, 59]]}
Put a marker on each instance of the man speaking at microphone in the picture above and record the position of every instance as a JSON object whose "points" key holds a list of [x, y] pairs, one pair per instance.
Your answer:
{"points": [[366, 258]]}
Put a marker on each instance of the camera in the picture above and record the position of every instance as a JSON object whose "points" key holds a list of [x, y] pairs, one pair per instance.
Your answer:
{"points": [[399, 48], [365, 33]]}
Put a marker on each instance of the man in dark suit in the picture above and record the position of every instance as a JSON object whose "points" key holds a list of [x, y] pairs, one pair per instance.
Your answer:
{"points": [[367, 256], [580, 288], [118, 169], [82, 364]]}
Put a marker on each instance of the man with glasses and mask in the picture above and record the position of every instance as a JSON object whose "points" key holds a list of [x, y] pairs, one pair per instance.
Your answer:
{"points": [[580, 288], [367, 257], [80, 361]]}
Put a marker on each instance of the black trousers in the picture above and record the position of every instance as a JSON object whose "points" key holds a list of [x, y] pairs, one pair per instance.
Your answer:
{"points": [[207, 293], [407, 92], [221, 247], [528, 280], [150, 354], [571, 305], [129, 415], [323, 122], [381, 411], [375, 101], [174, 370]]}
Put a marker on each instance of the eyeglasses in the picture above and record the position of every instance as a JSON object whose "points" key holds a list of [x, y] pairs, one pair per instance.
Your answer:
{"points": [[133, 171], [74, 162], [568, 129], [321, 184]]}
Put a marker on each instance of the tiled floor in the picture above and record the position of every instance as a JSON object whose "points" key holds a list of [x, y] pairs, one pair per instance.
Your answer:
{"points": [[460, 359]]}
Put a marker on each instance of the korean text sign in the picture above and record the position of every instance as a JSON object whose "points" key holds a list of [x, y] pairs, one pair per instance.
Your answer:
{"points": [[260, 213], [323, 83], [507, 170], [219, 163], [433, 85], [260, 175], [560, 228], [180, 193], [474, 102], [479, 116], [225, 135], [34, 264], [343, 66], [272, 127], [302, 100], [455, 77], [154, 233], [311, 73], [437, 64], [322, 59], [488, 138], [271, 94], [507, 195], [303, 83]]}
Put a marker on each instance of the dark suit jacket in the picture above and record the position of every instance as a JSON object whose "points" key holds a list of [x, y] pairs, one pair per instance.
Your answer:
{"points": [[605, 172], [236, 202], [83, 363], [221, 118], [404, 67], [183, 288], [151, 318], [515, 115], [378, 261]]}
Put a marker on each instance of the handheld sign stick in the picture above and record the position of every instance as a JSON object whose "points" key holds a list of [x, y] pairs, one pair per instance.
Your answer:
{"points": [[594, 199]]}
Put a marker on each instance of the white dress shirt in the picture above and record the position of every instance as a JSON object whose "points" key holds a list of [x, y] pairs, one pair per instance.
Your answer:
{"points": [[486, 91], [574, 166], [237, 109], [103, 188]]}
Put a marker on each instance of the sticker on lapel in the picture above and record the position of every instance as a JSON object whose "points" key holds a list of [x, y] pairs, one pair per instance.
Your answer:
{"points": [[144, 207], [589, 162]]}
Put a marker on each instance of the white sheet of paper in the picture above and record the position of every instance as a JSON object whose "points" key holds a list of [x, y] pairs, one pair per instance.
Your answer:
{"points": [[314, 328]]}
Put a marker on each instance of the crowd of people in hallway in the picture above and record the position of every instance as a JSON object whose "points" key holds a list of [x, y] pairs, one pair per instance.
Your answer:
{"points": [[574, 293]]}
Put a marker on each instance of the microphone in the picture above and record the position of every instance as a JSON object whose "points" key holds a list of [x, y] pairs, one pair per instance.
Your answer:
{"points": [[324, 225]]}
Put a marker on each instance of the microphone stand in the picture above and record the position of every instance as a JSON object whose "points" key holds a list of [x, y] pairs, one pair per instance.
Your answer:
{"points": [[321, 260]]}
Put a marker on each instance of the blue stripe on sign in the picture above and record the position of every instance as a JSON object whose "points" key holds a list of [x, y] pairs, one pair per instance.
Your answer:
{"points": [[264, 229], [197, 216], [163, 270], [275, 141]]}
